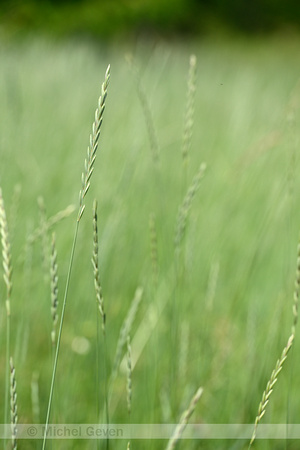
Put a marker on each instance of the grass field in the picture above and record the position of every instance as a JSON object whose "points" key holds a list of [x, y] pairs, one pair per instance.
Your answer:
{"points": [[216, 309]]}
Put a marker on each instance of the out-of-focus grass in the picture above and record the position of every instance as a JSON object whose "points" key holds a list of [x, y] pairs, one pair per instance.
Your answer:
{"points": [[240, 248]]}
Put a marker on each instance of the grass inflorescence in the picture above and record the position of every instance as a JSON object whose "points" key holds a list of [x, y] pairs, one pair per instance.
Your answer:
{"points": [[7, 275], [93, 146], [86, 178], [6, 254], [54, 288], [189, 114], [184, 420], [186, 206], [13, 404], [95, 262], [280, 362]]}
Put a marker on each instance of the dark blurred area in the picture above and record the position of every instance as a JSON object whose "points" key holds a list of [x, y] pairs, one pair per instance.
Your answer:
{"points": [[119, 18]]}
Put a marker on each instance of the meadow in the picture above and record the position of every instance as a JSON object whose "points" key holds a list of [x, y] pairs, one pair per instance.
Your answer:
{"points": [[211, 259]]}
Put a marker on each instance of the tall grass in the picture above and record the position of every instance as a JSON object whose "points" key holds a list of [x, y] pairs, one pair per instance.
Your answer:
{"points": [[202, 287], [86, 179], [7, 275], [280, 362]]}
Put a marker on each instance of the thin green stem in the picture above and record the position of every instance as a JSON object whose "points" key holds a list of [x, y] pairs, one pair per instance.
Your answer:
{"points": [[106, 388], [7, 372], [59, 335], [105, 378], [97, 373]]}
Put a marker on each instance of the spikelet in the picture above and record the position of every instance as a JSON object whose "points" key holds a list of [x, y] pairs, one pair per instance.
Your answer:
{"points": [[92, 148], [54, 288], [184, 420]]}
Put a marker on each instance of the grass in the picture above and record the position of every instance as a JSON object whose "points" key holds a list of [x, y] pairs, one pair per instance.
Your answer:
{"points": [[227, 315], [86, 179]]}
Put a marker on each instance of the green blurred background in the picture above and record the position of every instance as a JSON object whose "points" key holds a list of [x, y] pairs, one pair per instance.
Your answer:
{"points": [[119, 18]]}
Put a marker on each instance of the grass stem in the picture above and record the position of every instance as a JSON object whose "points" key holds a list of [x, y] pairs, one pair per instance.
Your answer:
{"points": [[59, 335]]}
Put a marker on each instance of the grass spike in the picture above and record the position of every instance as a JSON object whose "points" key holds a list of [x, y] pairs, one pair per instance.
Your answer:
{"points": [[189, 112], [14, 209], [129, 376], [296, 292], [184, 420], [44, 235], [94, 140], [6, 253], [125, 330], [129, 381], [13, 405], [279, 364], [186, 206], [7, 275], [269, 388], [99, 115], [54, 288], [183, 351], [100, 304], [95, 263]]}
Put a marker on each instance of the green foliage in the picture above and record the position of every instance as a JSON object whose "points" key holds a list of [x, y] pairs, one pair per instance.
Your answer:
{"points": [[102, 19], [106, 19]]}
